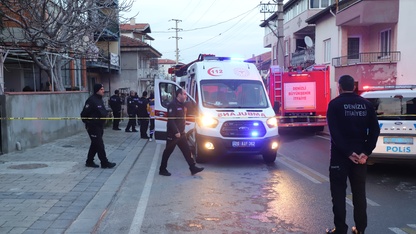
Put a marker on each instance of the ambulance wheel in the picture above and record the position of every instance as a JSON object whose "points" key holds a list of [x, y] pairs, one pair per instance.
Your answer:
{"points": [[269, 157], [200, 157]]}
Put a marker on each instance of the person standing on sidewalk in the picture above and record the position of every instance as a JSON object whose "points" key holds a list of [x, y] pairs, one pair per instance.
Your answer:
{"points": [[115, 104], [143, 115], [354, 129], [151, 111], [92, 115], [176, 135], [131, 112]]}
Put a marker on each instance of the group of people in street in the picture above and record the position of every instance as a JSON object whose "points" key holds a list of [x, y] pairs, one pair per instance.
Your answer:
{"points": [[353, 138], [94, 112], [140, 112]]}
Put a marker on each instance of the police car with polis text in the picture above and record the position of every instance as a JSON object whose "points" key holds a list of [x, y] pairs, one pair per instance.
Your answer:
{"points": [[396, 111]]}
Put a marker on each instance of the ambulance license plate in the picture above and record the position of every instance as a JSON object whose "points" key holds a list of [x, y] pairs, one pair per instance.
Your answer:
{"points": [[237, 144]]}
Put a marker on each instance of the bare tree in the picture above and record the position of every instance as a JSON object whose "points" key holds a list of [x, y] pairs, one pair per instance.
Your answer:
{"points": [[52, 32]]}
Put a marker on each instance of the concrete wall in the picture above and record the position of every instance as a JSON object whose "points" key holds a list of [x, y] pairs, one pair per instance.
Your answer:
{"points": [[327, 30], [406, 40], [20, 112]]}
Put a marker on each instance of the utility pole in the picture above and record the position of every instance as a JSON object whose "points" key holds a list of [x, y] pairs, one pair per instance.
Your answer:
{"points": [[177, 38], [280, 36], [271, 8]]}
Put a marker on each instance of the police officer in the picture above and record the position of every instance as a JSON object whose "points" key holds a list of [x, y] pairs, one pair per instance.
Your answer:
{"points": [[94, 108], [176, 135], [131, 112], [115, 104], [354, 130], [143, 115]]}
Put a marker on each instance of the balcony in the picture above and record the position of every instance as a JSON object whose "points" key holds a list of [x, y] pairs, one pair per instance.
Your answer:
{"points": [[300, 58], [104, 61], [367, 12], [367, 58]]}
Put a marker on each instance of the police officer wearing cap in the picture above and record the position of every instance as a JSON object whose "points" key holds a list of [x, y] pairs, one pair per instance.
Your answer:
{"points": [[354, 130], [92, 114]]}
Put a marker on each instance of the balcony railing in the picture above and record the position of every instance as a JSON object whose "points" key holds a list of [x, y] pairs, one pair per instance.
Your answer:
{"points": [[367, 58], [303, 56]]}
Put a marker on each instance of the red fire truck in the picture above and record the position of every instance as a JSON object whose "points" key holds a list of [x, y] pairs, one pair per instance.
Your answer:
{"points": [[300, 98]]}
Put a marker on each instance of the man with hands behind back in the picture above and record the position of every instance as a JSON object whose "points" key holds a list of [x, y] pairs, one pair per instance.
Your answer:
{"points": [[354, 130]]}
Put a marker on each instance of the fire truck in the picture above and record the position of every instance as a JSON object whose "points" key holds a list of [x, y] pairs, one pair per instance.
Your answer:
{"points": [[300, 98]]}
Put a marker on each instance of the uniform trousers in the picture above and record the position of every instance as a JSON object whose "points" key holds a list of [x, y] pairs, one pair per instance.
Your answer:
{"points": [[340, 169], [132, 122], [116, 119], [171, 143], [144, 125], [97, 145]]}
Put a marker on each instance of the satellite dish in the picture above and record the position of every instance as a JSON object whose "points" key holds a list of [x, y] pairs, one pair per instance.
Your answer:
{"points": [[308, 41]]}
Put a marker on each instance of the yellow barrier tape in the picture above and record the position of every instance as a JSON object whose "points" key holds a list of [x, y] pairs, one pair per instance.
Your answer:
{"points": [[121, 118]]}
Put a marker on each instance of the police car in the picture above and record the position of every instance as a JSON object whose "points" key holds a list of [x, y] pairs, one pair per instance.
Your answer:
{"points": [[396, 112]]}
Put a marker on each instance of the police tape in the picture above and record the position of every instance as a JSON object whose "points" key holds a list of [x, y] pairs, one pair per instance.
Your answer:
{"points": [[127, 118]]}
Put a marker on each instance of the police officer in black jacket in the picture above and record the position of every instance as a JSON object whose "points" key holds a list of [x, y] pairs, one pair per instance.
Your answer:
{"points": [[176, 135], [115, 104], [143, 115], [354, 130], [131, 112], [91, 115]]}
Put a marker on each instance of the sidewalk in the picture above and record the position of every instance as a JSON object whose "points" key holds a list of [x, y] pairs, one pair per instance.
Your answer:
{"points": [[48, 189]]}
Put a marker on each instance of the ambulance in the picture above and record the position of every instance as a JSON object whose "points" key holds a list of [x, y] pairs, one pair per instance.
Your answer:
{"points": [[228, 109], [396, 111]]}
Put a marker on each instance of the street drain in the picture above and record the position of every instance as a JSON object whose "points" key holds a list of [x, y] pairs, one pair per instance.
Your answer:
{"points": [[28, 166]]}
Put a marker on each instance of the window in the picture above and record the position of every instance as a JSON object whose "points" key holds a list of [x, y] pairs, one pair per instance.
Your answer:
{"points": [[320, 3], [385, 42], [353, 48], [327, 50]]}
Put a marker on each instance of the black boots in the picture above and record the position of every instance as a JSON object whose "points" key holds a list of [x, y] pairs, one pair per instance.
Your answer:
{"points": [[194, 169], [108, 165], [91, 164], [164, 172]]}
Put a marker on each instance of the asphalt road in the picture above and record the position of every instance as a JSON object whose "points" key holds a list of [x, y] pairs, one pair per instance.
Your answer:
{"points": [[244, 195]]}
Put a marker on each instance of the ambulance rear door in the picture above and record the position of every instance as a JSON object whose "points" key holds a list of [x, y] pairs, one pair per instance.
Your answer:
{"points": [[165, 93]]}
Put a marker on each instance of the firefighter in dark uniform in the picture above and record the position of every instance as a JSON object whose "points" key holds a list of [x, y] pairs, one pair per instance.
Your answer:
{"points": [[143, 115], [354, 130], [115, 104], [94, 108], [176, 135], [131, 112]]}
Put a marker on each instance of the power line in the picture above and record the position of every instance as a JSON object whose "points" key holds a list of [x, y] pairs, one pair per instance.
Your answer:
{"points": [[210, 26]]}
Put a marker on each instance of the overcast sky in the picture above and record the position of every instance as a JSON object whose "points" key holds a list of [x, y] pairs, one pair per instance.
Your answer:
{"points": [[220, 27]]}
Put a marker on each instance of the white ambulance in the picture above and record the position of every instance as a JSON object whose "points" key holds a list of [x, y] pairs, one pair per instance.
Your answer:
{"points": [[396, 112], [229, 111]]}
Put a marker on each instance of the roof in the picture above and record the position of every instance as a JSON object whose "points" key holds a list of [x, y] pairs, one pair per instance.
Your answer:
{"points": [[320, 14], [166, 61], [128, 44], [260, 58], [131, 42], [145, 28]]}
